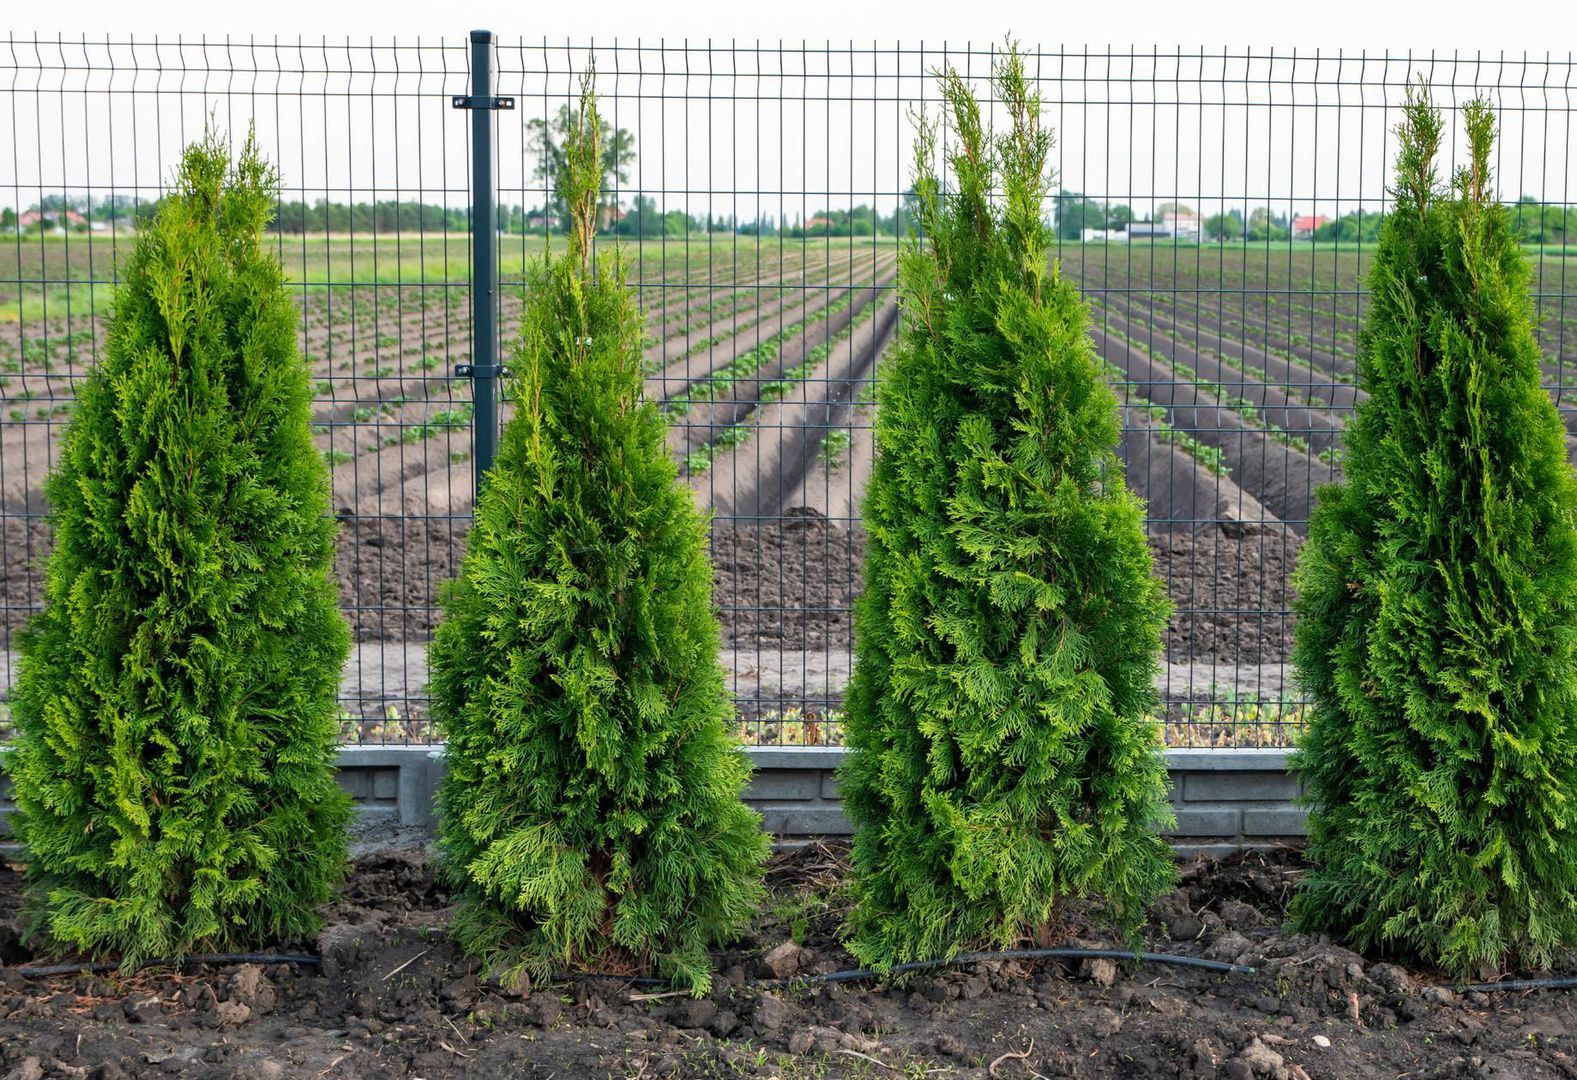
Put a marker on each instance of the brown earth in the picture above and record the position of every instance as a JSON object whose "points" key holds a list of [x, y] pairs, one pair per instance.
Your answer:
{"points": [[793, 583], [788, 583], [394, 998]]}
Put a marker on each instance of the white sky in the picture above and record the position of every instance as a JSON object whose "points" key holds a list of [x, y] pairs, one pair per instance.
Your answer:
{"points": [[786, 133], [1420, 25]]}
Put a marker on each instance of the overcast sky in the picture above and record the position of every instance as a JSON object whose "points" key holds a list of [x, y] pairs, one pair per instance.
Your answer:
{"points": [[784, 133], [1514, 25]]}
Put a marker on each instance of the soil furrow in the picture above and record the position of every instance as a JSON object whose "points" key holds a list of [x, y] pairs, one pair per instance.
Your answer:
{"points": [[1320, 430], [766, 477], [1281, 477], [705, 419]]}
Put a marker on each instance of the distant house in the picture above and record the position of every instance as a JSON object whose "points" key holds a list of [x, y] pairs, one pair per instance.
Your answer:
{"points": [[609, 214], [1304, 225], [1149, 230], [54, 220], [819, 222], [1103, 236], [1184, 224]]}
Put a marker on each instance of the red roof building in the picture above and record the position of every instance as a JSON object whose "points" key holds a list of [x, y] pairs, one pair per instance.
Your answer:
{"points": [[57, 218]]}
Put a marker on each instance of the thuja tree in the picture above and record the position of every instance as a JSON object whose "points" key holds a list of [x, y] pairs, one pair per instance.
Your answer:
{"points": [[590, 813], [176, 702], [1437, 601], [1005, 757]]}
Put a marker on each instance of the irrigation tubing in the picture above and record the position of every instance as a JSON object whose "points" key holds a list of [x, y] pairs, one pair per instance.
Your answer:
{"points": [[859, 974], [202, 958], [962, 959], [851, 975], [1559, 982]]}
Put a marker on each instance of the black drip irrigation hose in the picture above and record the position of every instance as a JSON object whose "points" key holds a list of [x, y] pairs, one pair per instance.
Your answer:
{"points": [[98, 967], [962, 959], [859, 974], [1557, 982]]}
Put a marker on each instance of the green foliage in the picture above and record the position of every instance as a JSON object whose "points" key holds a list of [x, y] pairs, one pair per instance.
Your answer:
{"points": [[1223, 227], [1005, 754], [1359, 226], [553, 140], [591, 809], [176, 704], [1544, 223], [1437, 602], [1075, 213]]}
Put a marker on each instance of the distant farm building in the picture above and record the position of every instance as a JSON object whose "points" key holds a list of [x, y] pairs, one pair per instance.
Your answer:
{"points": [[1183, 224], [57, 221], [1305, 225]]}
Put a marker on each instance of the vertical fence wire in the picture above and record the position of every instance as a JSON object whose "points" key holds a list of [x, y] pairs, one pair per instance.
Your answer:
{"points": [[1218, 209]]}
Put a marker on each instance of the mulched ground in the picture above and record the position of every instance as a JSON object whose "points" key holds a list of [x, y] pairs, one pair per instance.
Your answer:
{"points": [[394, 999]]}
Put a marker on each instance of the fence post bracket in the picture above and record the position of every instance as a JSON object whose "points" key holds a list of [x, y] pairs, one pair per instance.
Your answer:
{"points": [[463, 101]]}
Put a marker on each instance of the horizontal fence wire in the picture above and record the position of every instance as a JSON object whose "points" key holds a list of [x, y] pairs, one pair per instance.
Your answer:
{"points": [[1218, 209]]}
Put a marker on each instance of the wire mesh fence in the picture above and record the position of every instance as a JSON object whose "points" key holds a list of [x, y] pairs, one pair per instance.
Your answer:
{"points": [[1218, 209]]}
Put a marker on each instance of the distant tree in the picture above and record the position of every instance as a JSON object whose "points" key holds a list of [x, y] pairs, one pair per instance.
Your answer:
{"points": [[8, 219], [1357, 226], [1541, 223], [547, 138], [764, 225], [1223, 227], [906, 218], [644, 219], [1075, 213], [323, 216], [1120, 216], [858, 221], [1264, 226]]}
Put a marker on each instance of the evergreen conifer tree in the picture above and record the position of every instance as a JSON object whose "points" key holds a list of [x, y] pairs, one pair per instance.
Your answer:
{"points": [[176, 701], [1437, 601], [590, 811], [1005, 755]]}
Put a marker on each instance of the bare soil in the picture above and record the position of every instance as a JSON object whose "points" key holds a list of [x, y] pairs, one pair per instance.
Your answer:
{"points": [[767, 474], [1283, 478], [792, 584], [787, 583], [394, 998]]}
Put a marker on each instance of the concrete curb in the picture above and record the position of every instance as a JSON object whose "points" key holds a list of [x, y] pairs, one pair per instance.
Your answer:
{"points": [[1224, 799]]}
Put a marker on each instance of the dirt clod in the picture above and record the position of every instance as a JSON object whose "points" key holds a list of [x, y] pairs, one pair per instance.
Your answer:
{"points": [[232, 1013], [1100, 971], [786, 960], [1391, 978], [1263, 1061]]}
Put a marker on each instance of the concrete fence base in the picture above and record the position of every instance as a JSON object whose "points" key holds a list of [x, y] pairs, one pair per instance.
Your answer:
{"points": [[1224, 799]]}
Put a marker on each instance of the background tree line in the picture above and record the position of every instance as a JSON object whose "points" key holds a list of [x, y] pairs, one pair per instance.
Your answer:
{"points": [[1533, 221]]}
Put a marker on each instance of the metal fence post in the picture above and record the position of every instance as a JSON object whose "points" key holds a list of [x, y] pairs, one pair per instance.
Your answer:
{"points": [[484, 370]]}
